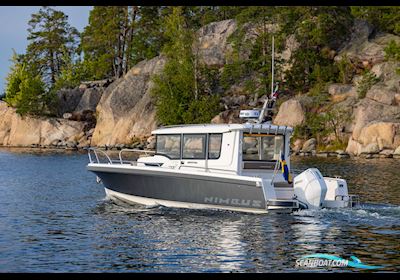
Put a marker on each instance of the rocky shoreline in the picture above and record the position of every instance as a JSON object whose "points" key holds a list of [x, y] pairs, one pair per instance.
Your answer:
{"points": [[340, 154], [343, 154], [117, 114]]}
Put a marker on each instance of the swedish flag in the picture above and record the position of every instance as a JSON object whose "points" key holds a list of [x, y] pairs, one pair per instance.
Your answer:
{"points": [[285, 169]]}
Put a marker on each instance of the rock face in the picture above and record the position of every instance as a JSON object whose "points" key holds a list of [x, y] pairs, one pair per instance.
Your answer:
{"points": [[382, 94], [68, 99], [297, 145], [126, 110], [375, 137], [27, 131], [228, 116], [376, 118], [90, 99], [290, 113], [363, 49], [309, 145], [212, 43], [396, 152]]}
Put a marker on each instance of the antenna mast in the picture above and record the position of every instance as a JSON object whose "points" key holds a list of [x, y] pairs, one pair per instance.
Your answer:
{"points": [[273, 60], [261, 117]]}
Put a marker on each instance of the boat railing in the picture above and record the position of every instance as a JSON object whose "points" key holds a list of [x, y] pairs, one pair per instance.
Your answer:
{"points": [[96, 152], [352, 199], [94, 155]]}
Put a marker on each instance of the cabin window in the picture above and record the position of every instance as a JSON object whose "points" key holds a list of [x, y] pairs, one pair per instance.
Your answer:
{"points": [[169, 145], [214, 145], [262, 147], [194, 146]]}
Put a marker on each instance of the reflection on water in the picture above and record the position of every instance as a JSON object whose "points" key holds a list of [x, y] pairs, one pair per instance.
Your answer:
{"points": [[55, 218]]}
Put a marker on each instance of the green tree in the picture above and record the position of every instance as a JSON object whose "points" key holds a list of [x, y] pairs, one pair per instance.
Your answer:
{"points": [[346, 70], [50, 37], [319, 32], [24, 89], [148, 34], [256, 26], [336, 119], [71, 74], [385, 18], [107, 40], [368, 79], [179, 98]]}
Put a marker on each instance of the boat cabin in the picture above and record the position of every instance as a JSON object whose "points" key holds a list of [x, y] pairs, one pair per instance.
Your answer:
{"points": [[242, 149]]}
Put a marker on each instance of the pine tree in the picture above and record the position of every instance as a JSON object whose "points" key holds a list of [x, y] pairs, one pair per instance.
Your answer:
{"points": [[148, 34], [256, 27], [25, 90], [179, 98], [384, 17], [107, 40], [319, 31], [50, 36]]}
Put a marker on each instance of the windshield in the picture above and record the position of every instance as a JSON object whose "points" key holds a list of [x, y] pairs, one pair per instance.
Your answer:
{"points": [[169, 145]]}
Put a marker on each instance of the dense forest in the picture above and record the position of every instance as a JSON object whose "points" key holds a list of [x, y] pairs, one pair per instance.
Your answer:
{"points": [[117, 38]]}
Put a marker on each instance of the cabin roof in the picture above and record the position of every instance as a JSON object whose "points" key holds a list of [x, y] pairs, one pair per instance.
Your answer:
{"points": [[221, 128]]}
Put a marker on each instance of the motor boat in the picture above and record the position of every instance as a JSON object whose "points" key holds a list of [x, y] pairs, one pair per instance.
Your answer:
{"points": [[239, 167]]}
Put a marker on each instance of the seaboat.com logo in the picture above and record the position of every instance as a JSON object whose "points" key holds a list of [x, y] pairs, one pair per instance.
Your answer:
{"points": [[325, 260]]}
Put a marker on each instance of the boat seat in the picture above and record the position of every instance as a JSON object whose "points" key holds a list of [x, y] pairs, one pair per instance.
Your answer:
{"points": [[283, 185]]}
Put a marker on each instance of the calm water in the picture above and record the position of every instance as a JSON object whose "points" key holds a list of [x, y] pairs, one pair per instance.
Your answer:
{"points": [[55, 218]]}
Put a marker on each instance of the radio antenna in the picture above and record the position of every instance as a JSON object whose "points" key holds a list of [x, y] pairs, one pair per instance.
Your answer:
{"points": [[261, 117], [273, 60]]}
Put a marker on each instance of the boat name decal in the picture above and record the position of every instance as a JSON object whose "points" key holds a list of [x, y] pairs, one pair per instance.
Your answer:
{"points": [[233, 201]]}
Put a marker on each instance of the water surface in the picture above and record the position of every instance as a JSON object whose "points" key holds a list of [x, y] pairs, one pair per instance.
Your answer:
{"points": [[55, 218]]}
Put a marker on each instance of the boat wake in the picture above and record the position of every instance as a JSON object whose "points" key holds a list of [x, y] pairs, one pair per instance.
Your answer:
{"points": [[380, 215]]}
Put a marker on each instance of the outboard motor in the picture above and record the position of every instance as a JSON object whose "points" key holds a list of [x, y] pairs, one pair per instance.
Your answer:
{"points": [[310, 189]]}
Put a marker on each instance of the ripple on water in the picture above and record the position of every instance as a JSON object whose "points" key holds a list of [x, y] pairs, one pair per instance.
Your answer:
{"points": [[56, 218]]}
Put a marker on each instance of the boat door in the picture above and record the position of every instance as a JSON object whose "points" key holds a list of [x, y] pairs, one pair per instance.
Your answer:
{"points": [[194, 151]]}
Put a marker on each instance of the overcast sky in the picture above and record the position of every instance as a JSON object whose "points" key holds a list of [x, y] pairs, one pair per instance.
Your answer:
{"points": [[14, 25]]}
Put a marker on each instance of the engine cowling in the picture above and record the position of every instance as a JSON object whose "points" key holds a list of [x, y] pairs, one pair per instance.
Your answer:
{"points": [[310, 188]]}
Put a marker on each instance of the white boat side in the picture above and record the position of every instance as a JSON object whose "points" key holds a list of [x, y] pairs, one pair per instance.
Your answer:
{"points": [[246, 174]]}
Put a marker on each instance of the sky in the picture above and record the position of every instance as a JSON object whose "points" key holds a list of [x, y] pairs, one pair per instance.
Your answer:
{"points": [[14, 25]]}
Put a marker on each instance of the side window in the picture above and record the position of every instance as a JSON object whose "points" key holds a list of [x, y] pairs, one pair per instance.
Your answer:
{"points": [[266, 147], [214, 146], [194, 146], [250, 148], [169, 145]]}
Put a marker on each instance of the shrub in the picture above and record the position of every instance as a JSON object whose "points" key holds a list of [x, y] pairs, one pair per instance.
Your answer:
{"points": [[367, 81], [346, 70], [392, 52]]}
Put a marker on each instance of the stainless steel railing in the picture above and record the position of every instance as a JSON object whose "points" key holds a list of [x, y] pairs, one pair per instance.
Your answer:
{"points": [[353, 200], [93, 154], [95, 151]]}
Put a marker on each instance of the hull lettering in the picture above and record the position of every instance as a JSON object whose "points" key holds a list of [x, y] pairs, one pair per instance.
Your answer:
{"points": [[233, 201]]}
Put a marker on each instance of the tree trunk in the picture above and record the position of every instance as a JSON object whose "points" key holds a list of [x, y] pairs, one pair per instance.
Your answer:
{"points": [[52, 68], [130, 37]]}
